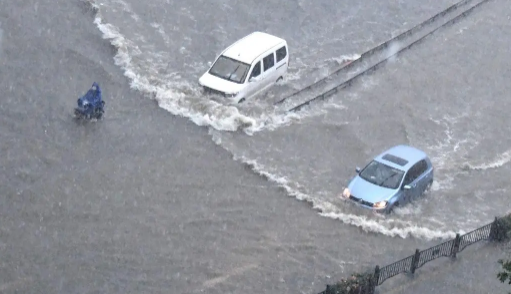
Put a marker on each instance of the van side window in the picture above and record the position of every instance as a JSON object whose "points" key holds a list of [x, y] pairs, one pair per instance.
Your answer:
{"points": [[256, 71], [269, 61], [281, 54]]}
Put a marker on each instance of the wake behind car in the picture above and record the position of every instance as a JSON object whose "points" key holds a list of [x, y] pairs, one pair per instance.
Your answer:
{"points": [[391, 179], [247, 67]]}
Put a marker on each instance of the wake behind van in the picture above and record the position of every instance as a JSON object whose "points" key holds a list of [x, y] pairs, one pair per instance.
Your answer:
{"points": [[247, 67]]}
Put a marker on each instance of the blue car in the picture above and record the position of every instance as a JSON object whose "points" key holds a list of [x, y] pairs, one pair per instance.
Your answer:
{"points": [[391, 179]]}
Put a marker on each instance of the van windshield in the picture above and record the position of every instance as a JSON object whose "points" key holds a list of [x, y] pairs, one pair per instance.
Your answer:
{"points": [[230, 69]]}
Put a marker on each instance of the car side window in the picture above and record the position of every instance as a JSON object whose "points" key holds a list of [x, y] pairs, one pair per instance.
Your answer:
{"points": [[423, 166], [256, 71], [281, 53], [269, 61], [416, 171], [412, 174]]}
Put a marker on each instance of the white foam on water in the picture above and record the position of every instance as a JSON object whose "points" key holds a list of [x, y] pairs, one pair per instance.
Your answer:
{"points": [[162, 32], [447, 153], [385, 227], [499, 161], [181, 99], [318, 71], [295, 70], [333, 104], [346, 58], [126, 7], [388, 226]]}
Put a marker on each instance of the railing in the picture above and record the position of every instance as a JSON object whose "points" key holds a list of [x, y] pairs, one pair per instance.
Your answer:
{"points": [[498, 230], [351, 80]]}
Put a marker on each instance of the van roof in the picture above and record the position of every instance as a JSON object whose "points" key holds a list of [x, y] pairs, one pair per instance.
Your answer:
{"points": [[250, 47]]}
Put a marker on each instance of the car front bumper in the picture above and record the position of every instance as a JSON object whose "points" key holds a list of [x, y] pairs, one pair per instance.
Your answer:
{"points": [[366, 204]]}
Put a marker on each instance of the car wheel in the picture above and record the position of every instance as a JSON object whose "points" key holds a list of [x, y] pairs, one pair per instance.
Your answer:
{"points": [[391, 209], [280, 79]]}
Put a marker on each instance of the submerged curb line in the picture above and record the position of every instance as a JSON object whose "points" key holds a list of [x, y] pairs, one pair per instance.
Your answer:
{"points": [[382, 62], [380, 47]]}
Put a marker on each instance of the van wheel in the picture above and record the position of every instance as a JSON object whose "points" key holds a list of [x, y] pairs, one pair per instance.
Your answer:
{"points": [[241, 100], [279, 79]]}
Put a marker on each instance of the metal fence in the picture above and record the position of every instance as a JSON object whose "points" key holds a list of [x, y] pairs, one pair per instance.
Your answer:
{"points": [[495, 231]]}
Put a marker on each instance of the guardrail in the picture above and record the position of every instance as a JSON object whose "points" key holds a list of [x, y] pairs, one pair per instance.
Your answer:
{"points": [[381, 47], [366, 283], [374, 67]]}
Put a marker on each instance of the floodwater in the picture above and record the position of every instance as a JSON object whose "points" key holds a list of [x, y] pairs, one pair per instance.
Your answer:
{"points": [[164, 195]]}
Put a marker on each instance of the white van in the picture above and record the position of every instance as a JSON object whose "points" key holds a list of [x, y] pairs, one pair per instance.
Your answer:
{"points": [[247, 67]]}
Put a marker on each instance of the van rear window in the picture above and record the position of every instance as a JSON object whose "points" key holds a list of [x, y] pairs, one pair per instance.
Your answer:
{"points": [[281, 53]]}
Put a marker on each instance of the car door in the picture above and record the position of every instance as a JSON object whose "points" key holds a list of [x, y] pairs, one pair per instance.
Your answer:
{"points": [[410, 180], [422, 177], [254, 80]]}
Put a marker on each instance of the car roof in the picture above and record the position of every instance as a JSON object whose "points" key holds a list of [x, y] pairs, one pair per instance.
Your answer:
{"points": [[401, 156], [250, 47]]}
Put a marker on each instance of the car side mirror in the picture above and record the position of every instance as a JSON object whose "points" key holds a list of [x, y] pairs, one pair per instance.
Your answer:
{"points": [[209, 63], [357, 169], [252, 79], [407, 187]]}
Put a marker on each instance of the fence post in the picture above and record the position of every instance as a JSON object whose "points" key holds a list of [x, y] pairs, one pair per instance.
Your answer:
{"points": [[369, 285], [456, 246], [493, 230], [415, 261], [375, 280], [497, 231]]}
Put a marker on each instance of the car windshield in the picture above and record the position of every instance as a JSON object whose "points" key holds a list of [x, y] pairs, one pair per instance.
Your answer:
{"points": [[230, 69], [382, 175]]}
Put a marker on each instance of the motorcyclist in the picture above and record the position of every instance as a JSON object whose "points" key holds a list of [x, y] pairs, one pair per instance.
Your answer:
{"points": [[96, 94], [91, 104]]}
